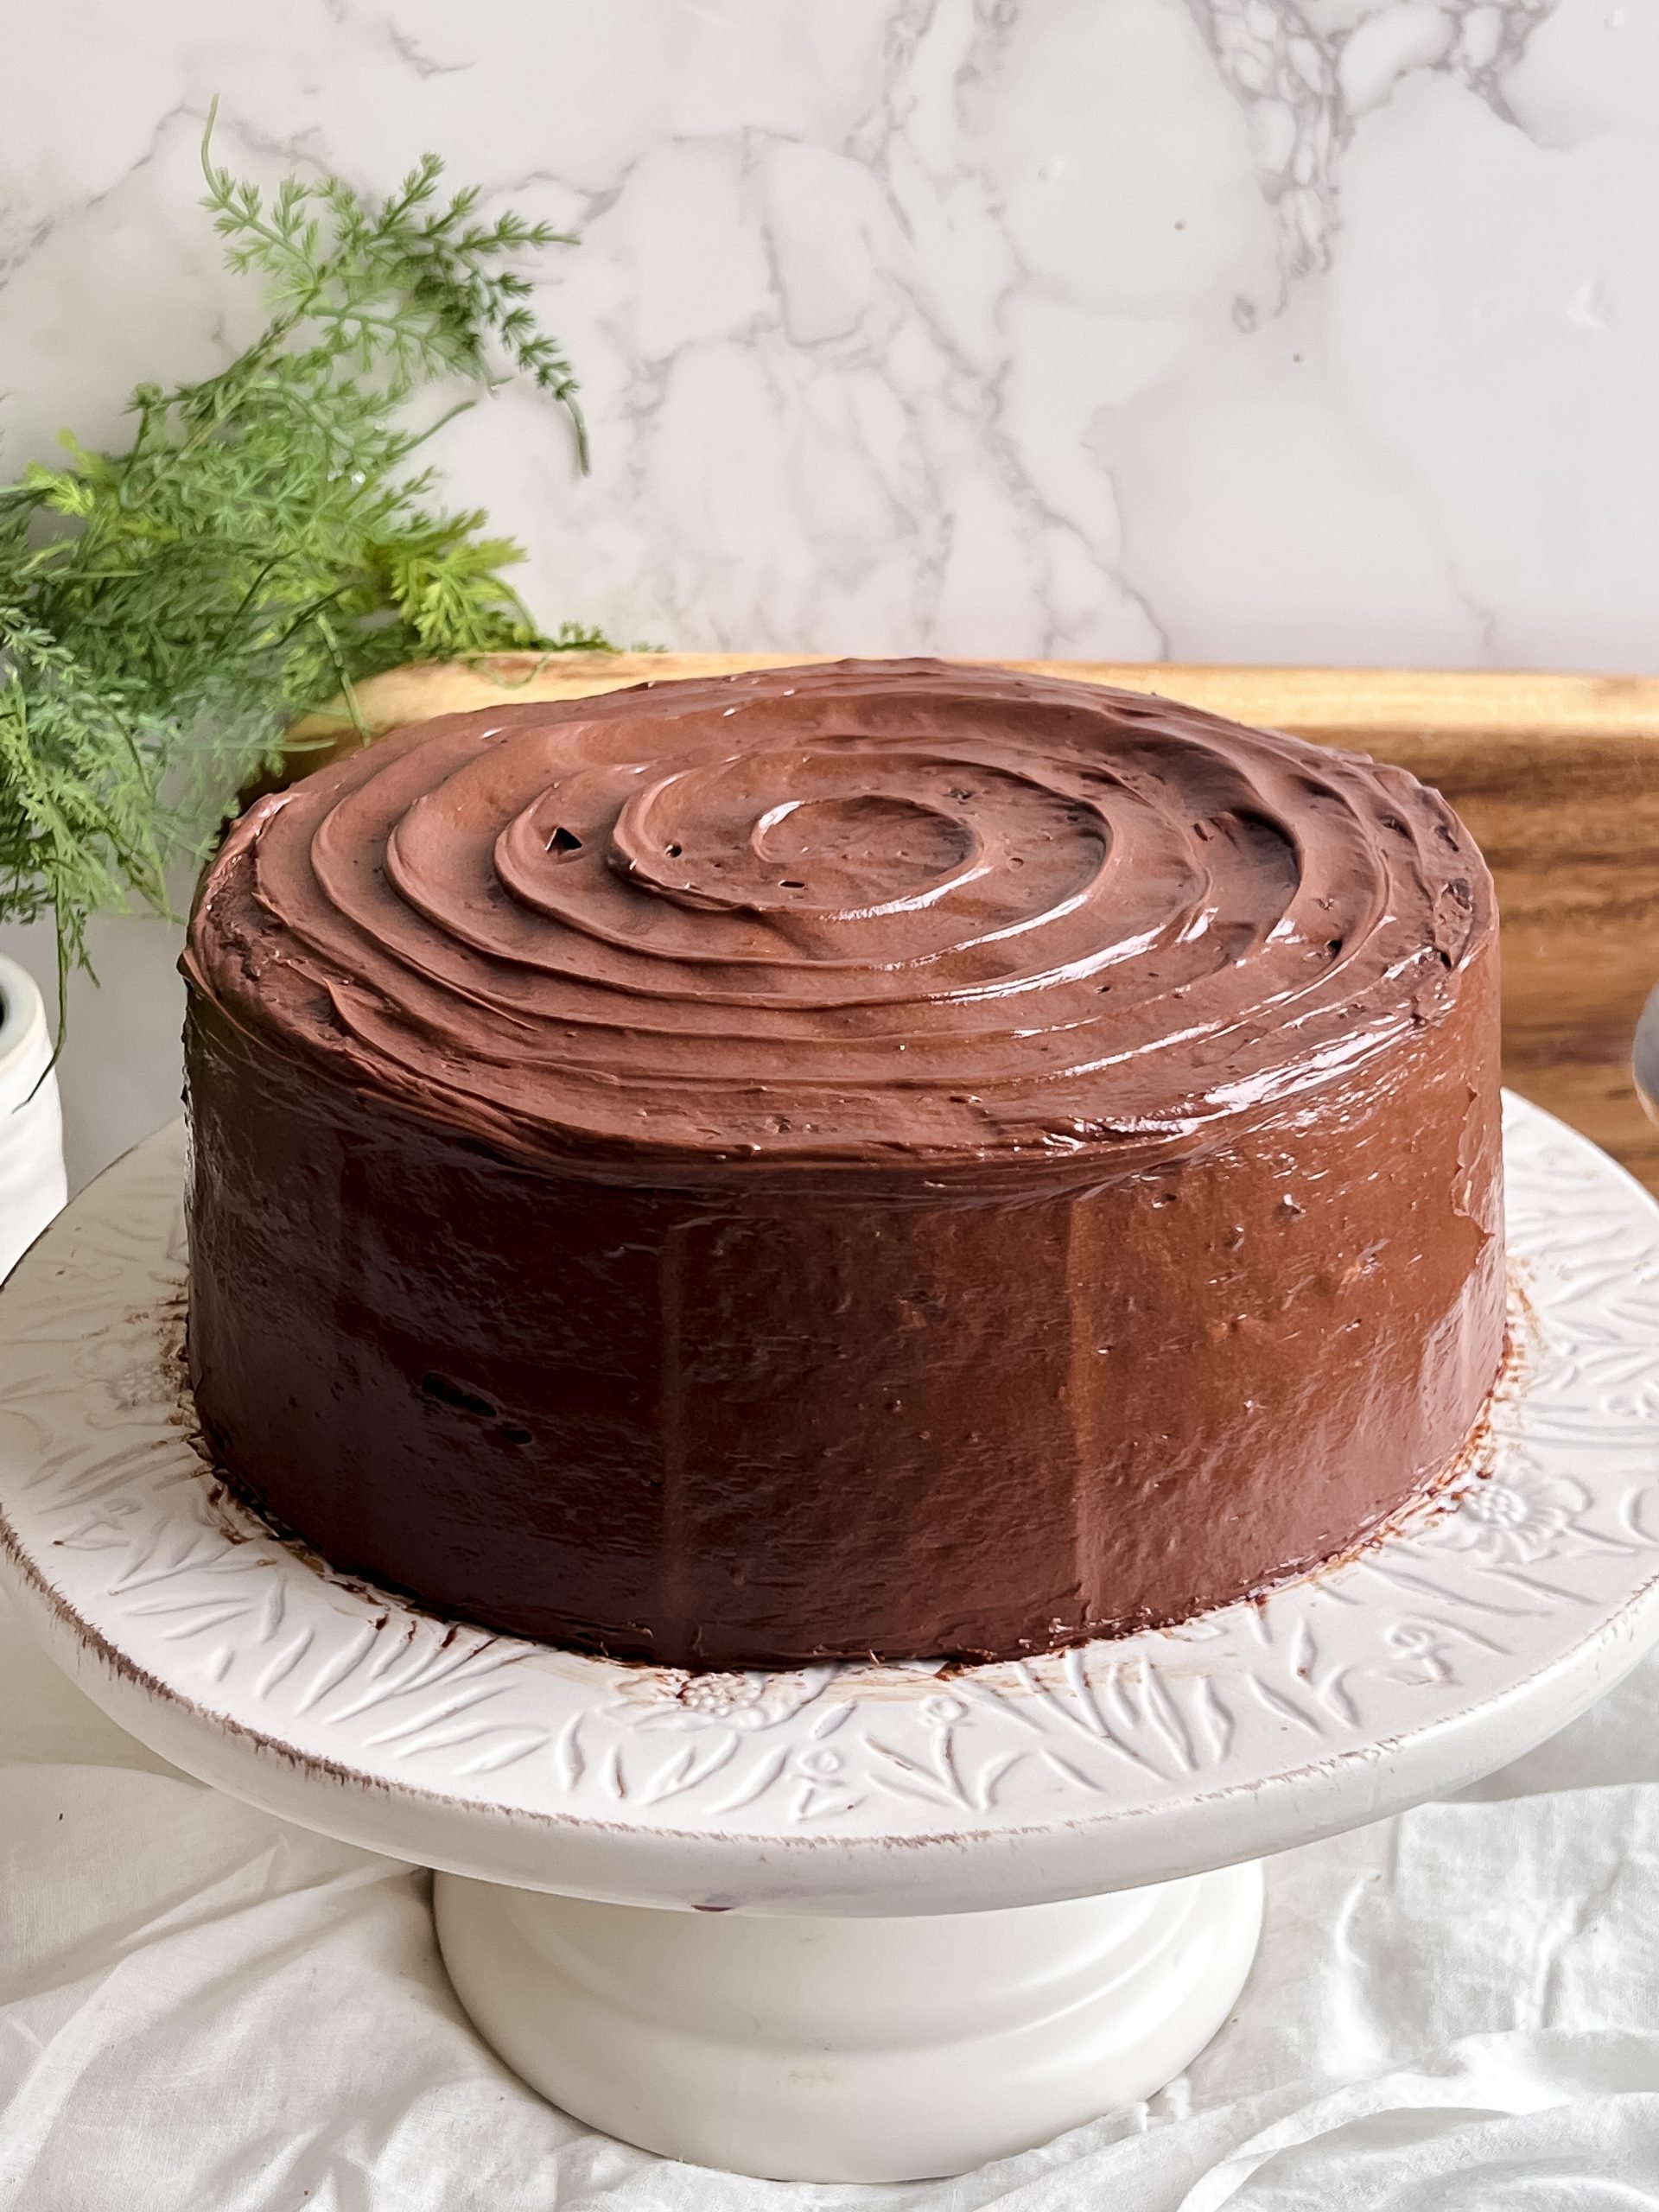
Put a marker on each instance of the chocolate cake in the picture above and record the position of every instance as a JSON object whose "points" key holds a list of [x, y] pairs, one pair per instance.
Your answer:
{"points": [[880, 1158]]}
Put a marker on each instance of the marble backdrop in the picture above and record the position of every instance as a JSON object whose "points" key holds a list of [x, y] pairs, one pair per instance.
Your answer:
{"points": [[1319, 330]]}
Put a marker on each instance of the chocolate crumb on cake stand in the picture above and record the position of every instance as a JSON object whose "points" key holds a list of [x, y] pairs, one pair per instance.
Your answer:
{"points": [[926, 1915]]}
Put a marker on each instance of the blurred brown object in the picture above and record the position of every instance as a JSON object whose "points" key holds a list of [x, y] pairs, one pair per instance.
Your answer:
{"points": [[1558, 777]]}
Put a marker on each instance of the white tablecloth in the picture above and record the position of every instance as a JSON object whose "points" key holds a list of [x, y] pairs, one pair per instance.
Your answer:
{"points": [[202, 2009]]}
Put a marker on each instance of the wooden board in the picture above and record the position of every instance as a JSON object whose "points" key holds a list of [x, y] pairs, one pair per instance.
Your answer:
{"points": [[1557, 776]]}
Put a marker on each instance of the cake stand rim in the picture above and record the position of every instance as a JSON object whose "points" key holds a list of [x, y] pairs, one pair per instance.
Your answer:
{"points": [[1301, 1799]]}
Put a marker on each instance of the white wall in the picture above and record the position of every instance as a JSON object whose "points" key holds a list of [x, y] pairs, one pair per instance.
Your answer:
{"points": [[1253, 329]]}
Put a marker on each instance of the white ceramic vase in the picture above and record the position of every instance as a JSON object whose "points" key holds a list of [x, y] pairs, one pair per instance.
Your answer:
{"points": [[32, 1185], [1646, 1056]]}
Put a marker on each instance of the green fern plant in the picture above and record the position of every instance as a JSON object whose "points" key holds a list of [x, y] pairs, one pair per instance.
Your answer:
{"points": [[266, 539]]}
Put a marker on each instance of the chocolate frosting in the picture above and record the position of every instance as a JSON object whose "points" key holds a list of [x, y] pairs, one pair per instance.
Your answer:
{"points": [[880, 1159], [829, 916]]}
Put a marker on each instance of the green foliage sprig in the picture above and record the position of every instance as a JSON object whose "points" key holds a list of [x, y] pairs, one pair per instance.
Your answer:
{"points": [[262, 543]]}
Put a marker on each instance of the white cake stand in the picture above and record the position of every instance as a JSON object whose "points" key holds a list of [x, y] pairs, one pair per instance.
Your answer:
{"points": [[923, 1934]]}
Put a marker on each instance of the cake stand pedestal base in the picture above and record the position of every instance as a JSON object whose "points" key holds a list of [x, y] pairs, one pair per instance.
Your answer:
{"points": [[802, 2049]]}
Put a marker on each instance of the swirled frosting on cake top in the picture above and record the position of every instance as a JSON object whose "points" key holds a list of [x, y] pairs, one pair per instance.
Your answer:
{"points": [[841, 913]]}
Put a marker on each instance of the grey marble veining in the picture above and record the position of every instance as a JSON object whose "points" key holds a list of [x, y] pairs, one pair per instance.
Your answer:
{"points": [[1304, 74], [1254, 329]]}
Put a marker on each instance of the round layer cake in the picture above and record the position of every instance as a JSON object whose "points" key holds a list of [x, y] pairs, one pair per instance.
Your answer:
{"points": [[879, 1158]]}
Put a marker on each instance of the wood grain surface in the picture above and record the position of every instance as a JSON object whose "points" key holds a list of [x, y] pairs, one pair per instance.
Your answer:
{"points": [[1557, 776]]}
